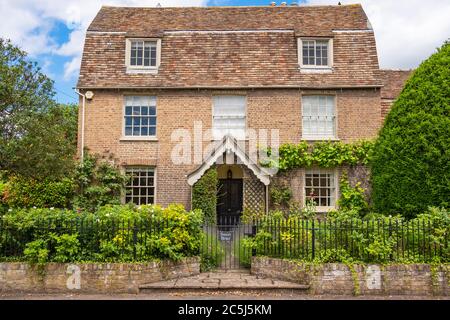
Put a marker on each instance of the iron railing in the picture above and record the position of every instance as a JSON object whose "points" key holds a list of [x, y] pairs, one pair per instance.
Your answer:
{"points": [[383, 240], [108, 240]]}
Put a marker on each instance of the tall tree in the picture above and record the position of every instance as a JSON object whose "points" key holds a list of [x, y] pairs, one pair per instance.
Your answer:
{"points": [[411, 163], [36, 135]]}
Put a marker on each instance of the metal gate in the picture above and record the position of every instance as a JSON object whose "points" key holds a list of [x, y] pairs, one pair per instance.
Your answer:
{"points": [[224, 246]]}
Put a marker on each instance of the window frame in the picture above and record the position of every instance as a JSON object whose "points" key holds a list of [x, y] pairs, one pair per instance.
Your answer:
{"points": [[330, 59], [216, 138], [335, 172], [153, 168], [334, 137], [145, 138], [143, 69]]}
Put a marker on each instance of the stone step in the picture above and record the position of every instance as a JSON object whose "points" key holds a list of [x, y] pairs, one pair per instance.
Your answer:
{"points": [[223, 281]]}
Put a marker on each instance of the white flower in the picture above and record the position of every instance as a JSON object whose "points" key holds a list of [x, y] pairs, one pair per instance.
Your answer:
{"points": [[34, 208], [107, 214], [52, 208], [139, 208], [10, 210]]}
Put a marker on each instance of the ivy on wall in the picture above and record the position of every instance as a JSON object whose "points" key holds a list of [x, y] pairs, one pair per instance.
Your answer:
{"points": [[326, 154], [204, 194]]}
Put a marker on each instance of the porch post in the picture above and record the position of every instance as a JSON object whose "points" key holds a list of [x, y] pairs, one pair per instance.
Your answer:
{"points": [[267, 199]]}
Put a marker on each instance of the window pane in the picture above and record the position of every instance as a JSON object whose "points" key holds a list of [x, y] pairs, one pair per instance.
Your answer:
{"points": [[136, 118], [138, 189], [318, 116], [152, 131], [146, 57], [322, 187], [153, 56], [229, 116]]}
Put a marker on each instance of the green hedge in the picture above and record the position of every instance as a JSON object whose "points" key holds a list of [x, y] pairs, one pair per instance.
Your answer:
{"points": [[411, 161], [113, 233], [20, 192]]}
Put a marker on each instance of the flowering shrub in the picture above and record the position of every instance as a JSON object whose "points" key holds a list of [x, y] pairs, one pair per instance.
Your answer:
{"points": [[113, 233]]}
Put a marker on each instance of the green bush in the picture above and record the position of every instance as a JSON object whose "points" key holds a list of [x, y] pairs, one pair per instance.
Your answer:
{"points": [[411, 161], [204, 194], [352, 198], [67, 248], [37, 252], [280, 195], [21, 192], [3, 206], [113, 234]]}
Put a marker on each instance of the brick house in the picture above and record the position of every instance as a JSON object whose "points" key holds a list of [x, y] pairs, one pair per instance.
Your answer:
{"points": [[150, 75]]}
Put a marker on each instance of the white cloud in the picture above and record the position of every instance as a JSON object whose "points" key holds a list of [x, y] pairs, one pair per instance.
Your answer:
{"points": [[72, 67], [407, 31], [29, 23]]}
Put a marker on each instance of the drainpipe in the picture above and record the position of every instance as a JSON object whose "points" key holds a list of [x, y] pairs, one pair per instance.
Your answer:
{"points": [[82, 123], [267, 199]]}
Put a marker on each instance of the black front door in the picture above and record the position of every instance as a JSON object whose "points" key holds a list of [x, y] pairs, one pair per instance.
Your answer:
{"points": [[229, 200]]}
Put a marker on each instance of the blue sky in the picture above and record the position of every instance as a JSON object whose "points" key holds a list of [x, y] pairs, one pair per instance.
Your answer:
{"points": [[52, 31]]}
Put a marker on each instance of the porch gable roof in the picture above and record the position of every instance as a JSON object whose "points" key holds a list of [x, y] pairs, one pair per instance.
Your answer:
{"points": [[229, 144]]}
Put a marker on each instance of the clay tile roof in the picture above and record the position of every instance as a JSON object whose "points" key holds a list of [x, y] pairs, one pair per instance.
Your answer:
{"points": [[308, 20], [254, 54], [393, 82]]}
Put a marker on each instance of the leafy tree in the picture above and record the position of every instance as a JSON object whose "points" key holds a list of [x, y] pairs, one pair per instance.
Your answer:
{"points": [[411, 161], [37, 137]]}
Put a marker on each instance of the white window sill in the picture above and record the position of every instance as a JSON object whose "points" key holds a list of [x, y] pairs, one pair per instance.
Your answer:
{"points": [[315, 70], [142, 70], [320, 139], [138, 139]]}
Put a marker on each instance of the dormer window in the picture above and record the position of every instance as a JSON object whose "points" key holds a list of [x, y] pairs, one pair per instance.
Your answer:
{"points": [[315, 53], [143, 55]]}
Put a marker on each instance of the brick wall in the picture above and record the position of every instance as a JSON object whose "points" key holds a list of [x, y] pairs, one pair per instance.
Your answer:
{"points": [[358, 117], [338, 279], [92, 277]]}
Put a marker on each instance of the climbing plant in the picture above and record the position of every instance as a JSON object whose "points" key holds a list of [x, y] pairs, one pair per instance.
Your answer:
{"points": [[204, 194], [326, 154]]}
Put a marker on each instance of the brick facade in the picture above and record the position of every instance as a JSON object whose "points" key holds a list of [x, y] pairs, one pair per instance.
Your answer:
{"points": [[358, 117]]}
